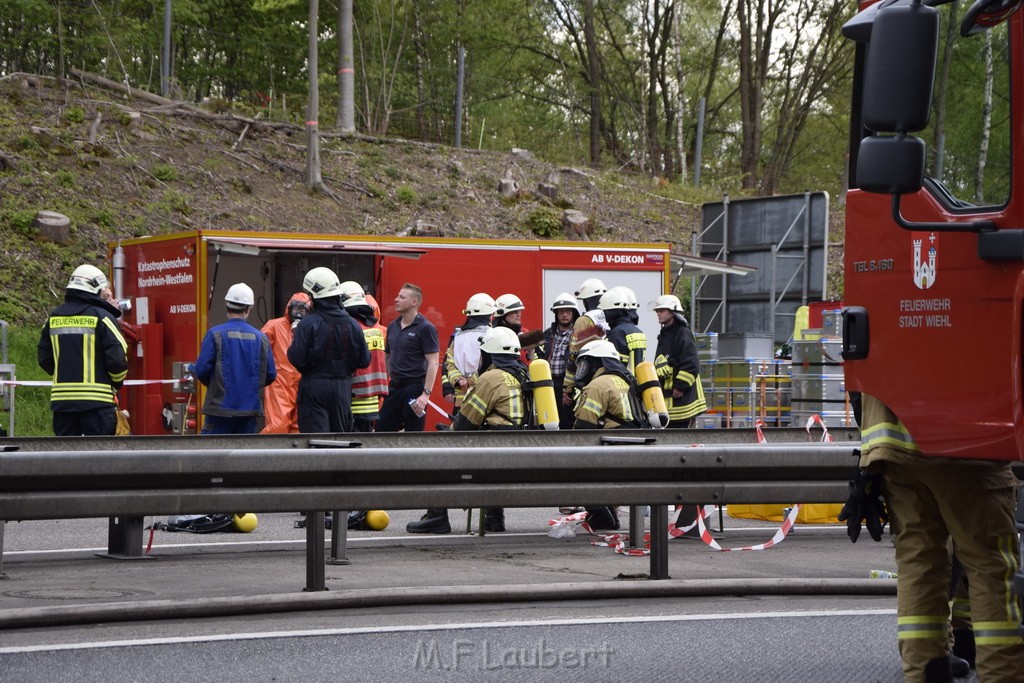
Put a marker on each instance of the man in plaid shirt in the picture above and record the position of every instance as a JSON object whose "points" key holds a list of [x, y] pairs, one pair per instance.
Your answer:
{"points": [[555, 350]]}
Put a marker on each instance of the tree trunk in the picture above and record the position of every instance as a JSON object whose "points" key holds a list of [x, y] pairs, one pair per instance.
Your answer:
{"points": [[941, 88], [420, 48], [346, 119], [986, 123], [313, 178], [594, 77]]}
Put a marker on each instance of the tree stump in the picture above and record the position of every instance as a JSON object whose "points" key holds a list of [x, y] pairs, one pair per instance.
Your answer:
{"points": [[576, 225], [53, 226], [548, 190], [507, 187]]}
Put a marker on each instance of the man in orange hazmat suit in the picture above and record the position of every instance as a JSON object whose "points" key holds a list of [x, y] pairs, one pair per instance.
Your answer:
{"points": [[279, 397]]}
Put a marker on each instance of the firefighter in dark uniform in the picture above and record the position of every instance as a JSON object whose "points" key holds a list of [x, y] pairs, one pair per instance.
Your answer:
{"points": [[629, 340], [588, 327], [607, 400], [495, 402], [327, 348], [81, 347], [929, 501], [677, 364]]}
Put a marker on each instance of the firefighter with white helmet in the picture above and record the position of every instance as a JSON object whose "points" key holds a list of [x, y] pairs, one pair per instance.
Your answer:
{"points": [[495, 402], [555, 350], [588, 327], [629, 340], [607, 400], [677, 363], [508, 312], [82, 349], [235, 363], [369, 384], [327, 348], [462, 357]]}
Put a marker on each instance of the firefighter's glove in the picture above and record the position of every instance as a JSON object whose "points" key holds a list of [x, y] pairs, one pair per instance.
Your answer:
{"points": [[447, 391], [865, 505]]}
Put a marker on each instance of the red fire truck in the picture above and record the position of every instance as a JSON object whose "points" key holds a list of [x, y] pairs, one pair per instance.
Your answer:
{"points": [[934, 278], [177, 282]]}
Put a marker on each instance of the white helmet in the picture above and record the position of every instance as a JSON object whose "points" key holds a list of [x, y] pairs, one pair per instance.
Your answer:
{"points": [[88, 279], [667, 301], [565, 300], [599, 348], [321, 283], [591, 287], [480, 303], [352, 294], [507, 303], [615, 297], [498, 340], [239, 296], [629, 294]]}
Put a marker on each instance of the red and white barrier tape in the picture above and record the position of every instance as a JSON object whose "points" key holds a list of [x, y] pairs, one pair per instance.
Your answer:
{"points": [[48, 383], [620, 542]]}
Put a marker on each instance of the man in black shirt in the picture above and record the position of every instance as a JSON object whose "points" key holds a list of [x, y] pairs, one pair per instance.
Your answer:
{"points": [[412, 352]]}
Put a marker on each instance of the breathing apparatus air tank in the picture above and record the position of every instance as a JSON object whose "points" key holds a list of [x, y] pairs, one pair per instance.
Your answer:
{"points": [[545, 407], [651, 396]]}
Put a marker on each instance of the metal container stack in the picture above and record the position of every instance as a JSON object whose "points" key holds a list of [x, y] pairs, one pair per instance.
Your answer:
{"points": [[819, 386], [745, 384]]}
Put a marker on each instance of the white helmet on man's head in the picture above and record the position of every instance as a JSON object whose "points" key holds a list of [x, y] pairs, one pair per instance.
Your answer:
{"points": [[599, 348], [629, 294], [565, 300], [615, 297], [591, 287], [322, 283], [507, 303], [498, 340], [239, 296], [666, 301], [480, 303], [352, 294], [88, 279]]}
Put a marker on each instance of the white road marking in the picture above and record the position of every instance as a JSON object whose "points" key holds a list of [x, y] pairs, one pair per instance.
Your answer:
{"points": [[445, 627]]}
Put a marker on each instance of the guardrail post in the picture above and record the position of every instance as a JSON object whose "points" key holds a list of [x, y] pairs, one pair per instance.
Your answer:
{"points": [[659, 542], [636, 526], [339, 538], [315, 552], [124, 539]]}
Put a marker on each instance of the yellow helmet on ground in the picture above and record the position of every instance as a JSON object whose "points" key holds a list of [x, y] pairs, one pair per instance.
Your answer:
{"points": [[245, 522], [377, 520]]}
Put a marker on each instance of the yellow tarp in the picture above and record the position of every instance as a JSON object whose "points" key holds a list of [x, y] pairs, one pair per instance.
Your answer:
{"points": [[812, 513]]}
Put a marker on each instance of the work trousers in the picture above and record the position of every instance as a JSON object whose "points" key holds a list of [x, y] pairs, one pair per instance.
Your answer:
{"points": [[100, 421], [324, 405], [972, 502]]}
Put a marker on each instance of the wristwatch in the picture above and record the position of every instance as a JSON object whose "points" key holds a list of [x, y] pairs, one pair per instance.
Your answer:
{"points": [[426, 392]]}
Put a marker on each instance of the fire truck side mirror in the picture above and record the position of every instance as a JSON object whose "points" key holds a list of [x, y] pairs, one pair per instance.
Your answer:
{"points": [[892, 164], [855, 333], [900, 68]]}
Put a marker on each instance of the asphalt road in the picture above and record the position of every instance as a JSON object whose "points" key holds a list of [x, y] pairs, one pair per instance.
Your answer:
{"points": [[746, 635]]}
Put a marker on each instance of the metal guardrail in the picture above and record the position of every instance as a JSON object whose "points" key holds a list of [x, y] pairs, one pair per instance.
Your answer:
{"points": [[486, 471]]}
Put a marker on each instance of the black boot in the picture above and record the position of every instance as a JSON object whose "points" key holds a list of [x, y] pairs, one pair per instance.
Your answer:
{"points": [[494, 519], [963, 645], [435, 521], [959, 667], [937, 671], [601, 518]]}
